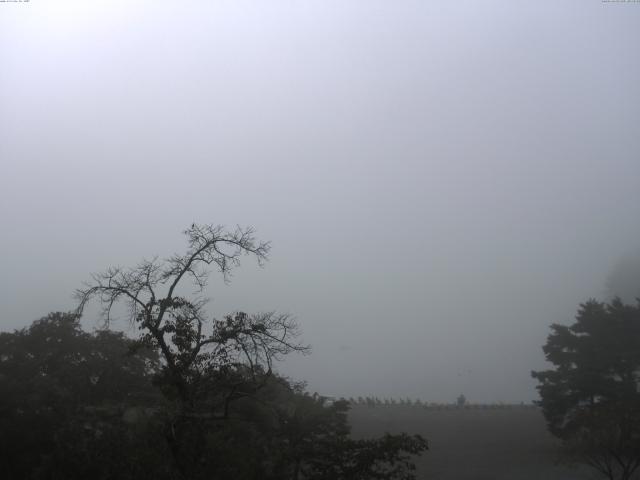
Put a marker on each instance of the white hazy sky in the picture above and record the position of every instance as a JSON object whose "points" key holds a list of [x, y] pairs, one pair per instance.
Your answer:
{"points": [[440, 180]]}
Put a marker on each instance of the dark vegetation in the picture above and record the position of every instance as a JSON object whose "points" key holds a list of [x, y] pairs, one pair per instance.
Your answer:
{"points": [[192, 398], [590, 399], [187, 399]]}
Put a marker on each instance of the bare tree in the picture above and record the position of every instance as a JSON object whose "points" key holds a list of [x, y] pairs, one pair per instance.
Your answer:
{"points": [[205, 366], [242, 344]]}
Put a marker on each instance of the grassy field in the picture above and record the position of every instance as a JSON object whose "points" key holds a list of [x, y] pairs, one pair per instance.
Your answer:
{"points": [[474, 444]]}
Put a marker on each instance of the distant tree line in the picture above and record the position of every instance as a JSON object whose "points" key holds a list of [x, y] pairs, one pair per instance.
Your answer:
{"points": [[372, 402]]}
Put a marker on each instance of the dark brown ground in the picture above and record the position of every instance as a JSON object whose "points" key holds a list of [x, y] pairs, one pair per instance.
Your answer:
{"points": [[474, 444]]}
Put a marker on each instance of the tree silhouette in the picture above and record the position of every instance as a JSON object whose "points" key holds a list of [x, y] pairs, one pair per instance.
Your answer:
{"points": [[206, 365], [226, 414], [590, 399]]}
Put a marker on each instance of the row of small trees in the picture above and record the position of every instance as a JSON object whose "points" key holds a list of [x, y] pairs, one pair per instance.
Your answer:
{"points": [[377, 402], [417, 403]]}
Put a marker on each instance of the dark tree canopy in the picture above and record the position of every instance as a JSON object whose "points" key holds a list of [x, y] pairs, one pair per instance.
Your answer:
{"points": [[75, 405], [590, 398], [63, 393]]}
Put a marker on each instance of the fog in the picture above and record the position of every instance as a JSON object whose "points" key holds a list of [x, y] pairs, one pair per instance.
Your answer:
{"points": [[440, 181]]}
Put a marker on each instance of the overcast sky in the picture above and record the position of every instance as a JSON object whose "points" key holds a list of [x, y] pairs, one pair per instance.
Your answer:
{"points": [[441, 180]]}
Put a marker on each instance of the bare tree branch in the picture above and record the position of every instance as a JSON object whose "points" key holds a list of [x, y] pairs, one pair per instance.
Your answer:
{"points": [[176, 325]]}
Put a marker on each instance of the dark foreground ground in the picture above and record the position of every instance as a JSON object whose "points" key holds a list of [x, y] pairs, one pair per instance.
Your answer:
{"points": [[474, 444]]}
